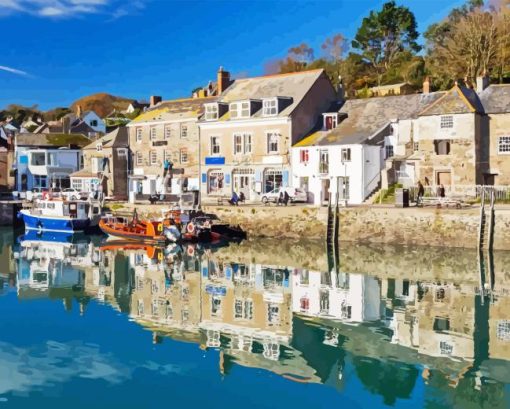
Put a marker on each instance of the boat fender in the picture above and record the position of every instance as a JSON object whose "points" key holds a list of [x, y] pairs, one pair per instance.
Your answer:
{"points": [[190, 228], [160, 227], [190, 251], [160, 256]]}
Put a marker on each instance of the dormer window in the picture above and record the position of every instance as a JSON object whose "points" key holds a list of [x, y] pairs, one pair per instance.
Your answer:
{"points": [[239, 109], [211, 112], [330, 121], [270, 107]]}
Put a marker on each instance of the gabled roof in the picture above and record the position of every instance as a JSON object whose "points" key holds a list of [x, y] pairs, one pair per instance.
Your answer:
{"points": [[496, 99], [458, 100], [365, 117], [117, 138], [292, 85], [51, 140], [174, 109]]}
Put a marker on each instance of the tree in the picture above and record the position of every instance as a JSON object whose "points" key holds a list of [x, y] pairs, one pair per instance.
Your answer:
{"points": [[384, 35], [335, 47]]}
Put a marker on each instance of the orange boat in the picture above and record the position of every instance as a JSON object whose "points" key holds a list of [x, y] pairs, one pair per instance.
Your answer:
{"points": [[134, 229]]}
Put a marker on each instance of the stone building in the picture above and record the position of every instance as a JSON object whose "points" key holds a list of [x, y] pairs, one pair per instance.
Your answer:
{"points": [[168, 131], [246, 135], [105, 166]]}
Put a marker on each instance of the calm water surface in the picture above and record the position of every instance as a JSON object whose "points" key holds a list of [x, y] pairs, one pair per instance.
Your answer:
{"points": [[89, 324]]}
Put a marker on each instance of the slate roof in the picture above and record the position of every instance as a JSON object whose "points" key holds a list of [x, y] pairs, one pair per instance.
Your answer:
{"points": [[174, 109], [496, 99], [458, 100], [51, 140], [116, 138], [366, 116], [292, 85]]}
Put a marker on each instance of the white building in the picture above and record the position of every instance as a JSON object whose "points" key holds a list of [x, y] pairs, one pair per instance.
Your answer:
{"points": [[94, 121], [348, 152], [46, 160]]}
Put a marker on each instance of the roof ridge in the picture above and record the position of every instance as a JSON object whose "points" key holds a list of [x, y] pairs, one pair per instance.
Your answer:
{"points": [[462, 95], [285, 74], [183, 99]]}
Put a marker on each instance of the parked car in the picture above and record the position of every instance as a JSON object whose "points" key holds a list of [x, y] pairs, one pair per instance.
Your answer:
{"points": [[295, 195], [73, 194]]}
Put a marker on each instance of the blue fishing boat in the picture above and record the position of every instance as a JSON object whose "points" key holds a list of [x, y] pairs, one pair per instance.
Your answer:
{"points": [[61, 216]]}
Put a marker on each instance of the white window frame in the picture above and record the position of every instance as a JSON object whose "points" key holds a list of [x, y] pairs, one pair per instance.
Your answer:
{"points": [[153, 157], [270, 134], [335, 120], [184, 131], [346, 154], [304, 156], [139, 158], [212, 146], [238, 143], [183, 155], [247, 137], [270, 107], [503, 330], [446, 122], [168, 131], [139, 135], [240, 109], [211, 112], [504, 141], [153, 133]]}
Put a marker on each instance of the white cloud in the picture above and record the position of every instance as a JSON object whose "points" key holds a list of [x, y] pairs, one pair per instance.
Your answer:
{"points": [[14, 70], [69, 8]]}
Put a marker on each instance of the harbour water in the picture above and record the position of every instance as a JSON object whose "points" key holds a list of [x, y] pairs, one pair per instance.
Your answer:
{"points": [[89, 324]]}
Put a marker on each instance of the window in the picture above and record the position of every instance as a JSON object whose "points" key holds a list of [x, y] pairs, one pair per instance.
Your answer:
{"points": [[40, 181], [247, 143], [272, 142], [440, 294], [330, 121], [416, 146], [215, 145], [389, 151], [154, 157], [273, 179], [503, 330], [239, 110], [344, 187], [445, 348], [138, 134], [215, 305], [242, 143], [38, 159], [304, 155], [324, 161], [77, 184], [346, 154], [273, 314], [93, 122], [184, 131], [504, 144], [446, 122], [442, 147], [183, 155], [270, 107], [304, 304], [154, 133], [97, 164], [243, 309], [238, 143], [211, 112], [168, 132], [122, 152], [441, 324], [139, 158]]}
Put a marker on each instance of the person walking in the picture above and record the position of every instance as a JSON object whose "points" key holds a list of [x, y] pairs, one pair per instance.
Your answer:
{"points": [[421, 193], [286, 198]]}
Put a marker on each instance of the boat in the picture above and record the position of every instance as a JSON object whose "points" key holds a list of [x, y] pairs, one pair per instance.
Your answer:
{"points": [[61, 216]]}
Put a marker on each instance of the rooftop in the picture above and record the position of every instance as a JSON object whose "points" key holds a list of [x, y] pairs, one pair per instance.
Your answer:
{"points": [[53, 140], [496, 99], [117, 137], [458, 100]]}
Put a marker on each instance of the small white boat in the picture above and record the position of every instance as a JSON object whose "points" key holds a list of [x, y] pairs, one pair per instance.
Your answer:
{"points": [[61, 216]]}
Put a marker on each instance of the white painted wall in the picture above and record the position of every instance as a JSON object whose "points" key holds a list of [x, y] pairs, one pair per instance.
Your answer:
{"points": [[363, 170]]}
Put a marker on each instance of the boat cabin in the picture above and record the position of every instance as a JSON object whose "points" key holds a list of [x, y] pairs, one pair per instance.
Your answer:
{"points": [[60, 208]]}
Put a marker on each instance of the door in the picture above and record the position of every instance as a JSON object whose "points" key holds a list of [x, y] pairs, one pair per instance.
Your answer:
{"points": [[242, 184], [444, 178], [325, 191]]}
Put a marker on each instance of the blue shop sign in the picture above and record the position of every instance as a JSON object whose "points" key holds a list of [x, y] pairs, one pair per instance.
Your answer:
{"points": [[211, 289], [215, 160], [23, 160]]}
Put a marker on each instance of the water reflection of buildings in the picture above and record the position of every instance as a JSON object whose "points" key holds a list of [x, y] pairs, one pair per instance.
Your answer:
{"points": [[303, 324]]}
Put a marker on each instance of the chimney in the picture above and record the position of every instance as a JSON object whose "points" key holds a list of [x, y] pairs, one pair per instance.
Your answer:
{"points": [[340, 91], [155, 99], [223, 80], [467, 82], [66, 124], [482, 82], [426, 85], [78, 111]]}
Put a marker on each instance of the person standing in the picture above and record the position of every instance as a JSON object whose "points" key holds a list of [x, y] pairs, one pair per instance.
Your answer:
{"points": [[286, 198], [442, 192]]}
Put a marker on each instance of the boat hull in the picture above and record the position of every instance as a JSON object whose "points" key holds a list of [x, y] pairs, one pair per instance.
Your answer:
{"points": [[54, 224]]}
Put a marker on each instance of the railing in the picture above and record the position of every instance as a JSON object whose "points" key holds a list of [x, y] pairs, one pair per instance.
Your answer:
{"points": [[473, 192]]}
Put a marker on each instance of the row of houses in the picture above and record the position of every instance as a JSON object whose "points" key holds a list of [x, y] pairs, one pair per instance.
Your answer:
{"points": [[253, 135]]}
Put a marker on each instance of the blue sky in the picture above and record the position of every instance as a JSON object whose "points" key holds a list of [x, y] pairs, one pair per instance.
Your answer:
{"points": [[55, 51]]}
